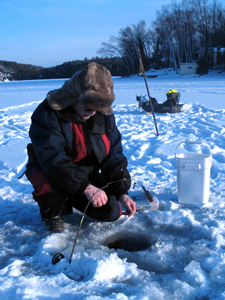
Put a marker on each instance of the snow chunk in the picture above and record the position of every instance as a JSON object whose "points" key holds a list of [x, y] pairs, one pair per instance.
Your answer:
{"points": [[114, 268], [194, 273], [218, 273]]}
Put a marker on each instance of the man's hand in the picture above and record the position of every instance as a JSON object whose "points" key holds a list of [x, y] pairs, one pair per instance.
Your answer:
{"points": [[97, 196], [129, 204]]}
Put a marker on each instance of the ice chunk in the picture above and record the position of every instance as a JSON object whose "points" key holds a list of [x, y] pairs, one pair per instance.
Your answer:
{"points": [[218, 274], [154, 204], [199, 253], [194, 273]]}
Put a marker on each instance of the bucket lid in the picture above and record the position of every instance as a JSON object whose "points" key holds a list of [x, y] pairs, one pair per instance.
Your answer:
{"points": [[194, 149]]}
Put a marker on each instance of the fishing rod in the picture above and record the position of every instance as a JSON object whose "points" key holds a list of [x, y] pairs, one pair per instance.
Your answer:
{"points": [[59, 256]]}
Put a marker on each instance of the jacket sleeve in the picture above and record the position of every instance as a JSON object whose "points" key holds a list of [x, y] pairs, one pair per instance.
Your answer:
{"points": [[114, 167], [49, 145]]}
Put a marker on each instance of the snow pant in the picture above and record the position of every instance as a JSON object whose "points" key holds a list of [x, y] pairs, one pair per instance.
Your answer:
{"points": [[54, 202]]}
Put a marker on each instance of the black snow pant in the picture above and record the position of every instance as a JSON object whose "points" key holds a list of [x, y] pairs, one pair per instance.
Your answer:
{"points": [[54, 202]]}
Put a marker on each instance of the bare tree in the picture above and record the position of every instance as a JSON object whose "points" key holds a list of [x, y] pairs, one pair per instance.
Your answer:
{"points": [[218, 24], [189, 28], [126, 46], [182, 32]]}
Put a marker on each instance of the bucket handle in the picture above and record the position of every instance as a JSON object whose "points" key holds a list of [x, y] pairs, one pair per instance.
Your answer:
{"points": [[193, 142]]}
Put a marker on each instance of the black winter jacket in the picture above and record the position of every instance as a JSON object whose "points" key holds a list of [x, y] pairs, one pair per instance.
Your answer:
{"points": [[54, 150]]}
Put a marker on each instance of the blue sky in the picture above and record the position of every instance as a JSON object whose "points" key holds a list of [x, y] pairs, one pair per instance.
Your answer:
{"points": [[50, 32]]}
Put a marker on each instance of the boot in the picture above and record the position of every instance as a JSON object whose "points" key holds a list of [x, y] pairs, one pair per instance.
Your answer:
{"points": [[54, 224], [52, 208]]}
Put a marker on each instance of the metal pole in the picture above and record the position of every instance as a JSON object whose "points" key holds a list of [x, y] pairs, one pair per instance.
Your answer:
{"points": [[142, 67]]}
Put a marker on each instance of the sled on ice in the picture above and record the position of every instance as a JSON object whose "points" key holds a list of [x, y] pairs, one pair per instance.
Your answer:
{"points": [[171, 105]]}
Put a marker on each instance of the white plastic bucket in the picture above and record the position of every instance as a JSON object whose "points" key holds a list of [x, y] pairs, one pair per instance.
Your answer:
{"points": [[193, 172]]}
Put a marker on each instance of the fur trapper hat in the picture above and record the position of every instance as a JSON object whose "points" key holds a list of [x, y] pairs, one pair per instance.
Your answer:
{"points": [[93, 86]]}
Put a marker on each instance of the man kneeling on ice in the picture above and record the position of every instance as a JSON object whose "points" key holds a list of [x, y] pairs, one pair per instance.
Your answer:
{"points": [[76, 150]]}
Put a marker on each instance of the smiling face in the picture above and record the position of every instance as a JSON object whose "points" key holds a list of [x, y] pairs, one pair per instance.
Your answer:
{"points": [[82, 111]]}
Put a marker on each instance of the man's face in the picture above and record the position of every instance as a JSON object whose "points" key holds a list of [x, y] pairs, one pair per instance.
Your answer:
{"points": [[82, 111]]}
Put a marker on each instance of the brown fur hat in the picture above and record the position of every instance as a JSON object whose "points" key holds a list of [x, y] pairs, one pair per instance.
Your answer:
{"points": [[93, 86]]}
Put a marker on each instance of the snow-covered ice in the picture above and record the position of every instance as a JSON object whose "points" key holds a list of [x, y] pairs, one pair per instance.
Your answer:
{"points": [[186, 256]]}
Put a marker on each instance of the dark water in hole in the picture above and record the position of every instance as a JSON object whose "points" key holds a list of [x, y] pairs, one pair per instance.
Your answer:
{"points": [[128, 241]]}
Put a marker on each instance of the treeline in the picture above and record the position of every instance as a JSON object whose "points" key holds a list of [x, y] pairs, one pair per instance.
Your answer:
{"points": [[67, 69], [17, 71], [182, 32]]}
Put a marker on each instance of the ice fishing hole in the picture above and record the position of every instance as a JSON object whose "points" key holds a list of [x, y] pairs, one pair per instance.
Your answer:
{"points": [[128, 241]]}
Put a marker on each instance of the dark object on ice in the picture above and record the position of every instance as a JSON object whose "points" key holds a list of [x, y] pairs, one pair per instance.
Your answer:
{"points": [[147, 193], [128, 241], [171, 105], [57, 257]]}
